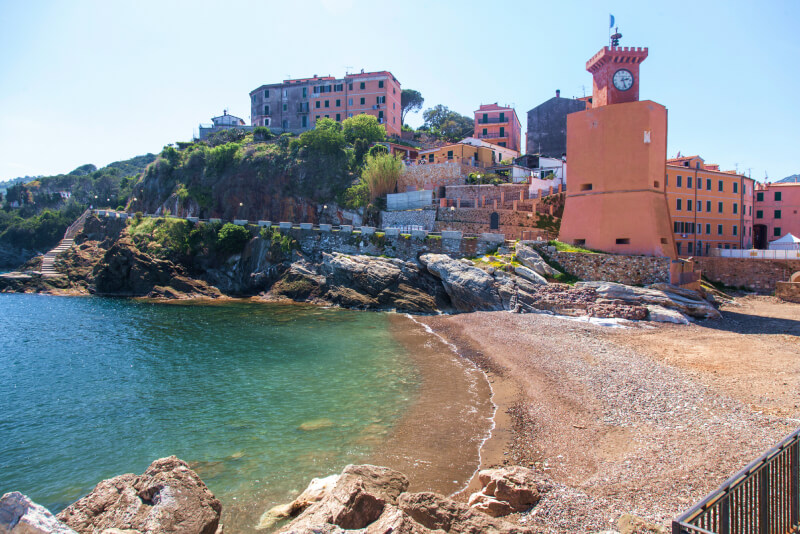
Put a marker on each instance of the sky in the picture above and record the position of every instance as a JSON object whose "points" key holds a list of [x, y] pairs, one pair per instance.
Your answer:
{"points": [[101, 81]]}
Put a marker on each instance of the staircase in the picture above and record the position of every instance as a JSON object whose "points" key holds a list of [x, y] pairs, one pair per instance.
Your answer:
{"points": [[48, 261]]}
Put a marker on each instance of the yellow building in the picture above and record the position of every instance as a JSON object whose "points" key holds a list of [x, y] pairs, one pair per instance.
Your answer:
{"points": [[469, 151]]}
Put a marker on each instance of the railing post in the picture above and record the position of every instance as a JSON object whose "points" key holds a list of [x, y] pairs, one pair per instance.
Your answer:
{"points": [[676, 527], [725, 523], [763, 500], [794, 458]]}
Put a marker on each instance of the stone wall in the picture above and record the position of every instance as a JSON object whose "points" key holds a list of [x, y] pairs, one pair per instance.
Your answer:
{"points": [[433, 176], [507, 192], [477, 220], [422, 217], [788, 291], [754, 274], [631, 270]]}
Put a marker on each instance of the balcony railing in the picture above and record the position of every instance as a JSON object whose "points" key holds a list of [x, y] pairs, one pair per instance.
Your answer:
{"points": [[494, 135], [493, 120]]}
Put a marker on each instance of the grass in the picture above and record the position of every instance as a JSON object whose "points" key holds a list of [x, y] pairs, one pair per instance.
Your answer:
{"points": [[565, 247]]}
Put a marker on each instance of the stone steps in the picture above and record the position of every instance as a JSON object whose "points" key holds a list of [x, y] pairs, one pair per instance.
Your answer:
{"points": [[48, 260]]}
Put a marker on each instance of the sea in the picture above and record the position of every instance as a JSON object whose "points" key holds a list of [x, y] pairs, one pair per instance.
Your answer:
{"points": [[258, 398]]}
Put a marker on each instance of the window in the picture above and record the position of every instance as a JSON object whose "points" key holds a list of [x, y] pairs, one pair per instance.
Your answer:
{"points": [[338, 102], [266, 93], [759, 214], [744, 189], [266, 110], [339, 87], [777, 196], [363, 101], [708, 184], [266, 121], [678, 204], [689, 247], [430, 158], [485, 131], [689, 184], [699, 205], [760, 197], [285, 93], [304, 121], [362, 85], [502, 144], [285, 125], [777, 214], [675, 227], [708, 229], [678, 181], [727, 246], [349, 101], [317, 104], [350, 86], [380, 117], [318, 116], [708, 205], [678, 246], [719, 185], [285, 107], [305, 92], [449, 154], [688, 204], [719, 229], [750, 210], [586, 187], [735, 230], [623, 241], [719, 206], [380, 99], [666, 181], [338, 117], [776, 231], [502, 131], [735, 208], [735, 187], [349, 115], [380, 84], [327, 103]]}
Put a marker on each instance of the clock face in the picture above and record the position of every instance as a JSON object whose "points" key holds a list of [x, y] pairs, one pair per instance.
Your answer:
{"points": [[623, 79]]}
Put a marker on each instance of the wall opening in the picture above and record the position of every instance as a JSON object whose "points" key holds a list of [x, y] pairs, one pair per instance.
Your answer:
{"points": [[579, 242], [664, 241], [586, 187], [657, 184], [623, 241]]}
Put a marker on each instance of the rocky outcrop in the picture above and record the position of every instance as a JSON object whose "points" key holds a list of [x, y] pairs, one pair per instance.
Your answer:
{"points": [[167, 498], [505, 491], [671, 297], [468, 287], [316, 490], [532, 260], [435, 512], [20, 515]]}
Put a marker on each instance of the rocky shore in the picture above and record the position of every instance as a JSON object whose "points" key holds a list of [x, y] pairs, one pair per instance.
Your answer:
{"points": [[107, 260]]}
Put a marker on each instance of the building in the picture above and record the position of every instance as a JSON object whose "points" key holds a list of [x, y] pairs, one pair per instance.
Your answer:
{"points": [[469, 151], [547, 125], [617, 153], [498, 125], [295, 105], [222, 122], [709, 208], [777, 212]]}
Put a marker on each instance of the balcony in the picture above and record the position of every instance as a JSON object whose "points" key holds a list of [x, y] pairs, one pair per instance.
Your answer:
{"points": [[494, 135], [493, 120]]}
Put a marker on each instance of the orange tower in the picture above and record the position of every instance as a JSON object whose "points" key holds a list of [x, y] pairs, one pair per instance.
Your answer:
{"points": [[617, 155]]}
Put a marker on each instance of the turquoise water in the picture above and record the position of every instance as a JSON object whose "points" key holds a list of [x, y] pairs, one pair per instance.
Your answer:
{"points": [[258, 398]]}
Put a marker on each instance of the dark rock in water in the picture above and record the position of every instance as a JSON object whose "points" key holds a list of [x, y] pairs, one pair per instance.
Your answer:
{"points": [[168, 498], [20, 515]]}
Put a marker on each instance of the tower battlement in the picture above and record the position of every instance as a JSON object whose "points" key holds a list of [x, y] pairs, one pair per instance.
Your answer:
{"points": [[616, 54]]}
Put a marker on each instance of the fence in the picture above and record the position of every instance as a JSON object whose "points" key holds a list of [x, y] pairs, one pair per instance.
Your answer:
{"points": [[763, 498], [758, 254]]}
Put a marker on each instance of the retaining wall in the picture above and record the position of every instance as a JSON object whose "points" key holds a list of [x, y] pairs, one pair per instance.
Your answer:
{"points": [[630, 270], [422, 217], [433, 176], [752, 273], [508, 192]]}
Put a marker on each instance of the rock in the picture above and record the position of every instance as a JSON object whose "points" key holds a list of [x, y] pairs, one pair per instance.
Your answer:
{"points": [[630, 524], [435, 511], [394, 521], [661, 314], [532, 260], [20, 515], [121, 531], [505, 491], [489, 505], [693, 307], [168, 498], [469, 288], [315, 492], [530, 275], [357, 499]]}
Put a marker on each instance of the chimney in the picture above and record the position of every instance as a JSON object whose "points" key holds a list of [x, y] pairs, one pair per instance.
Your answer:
{"points": [[558, 93]]}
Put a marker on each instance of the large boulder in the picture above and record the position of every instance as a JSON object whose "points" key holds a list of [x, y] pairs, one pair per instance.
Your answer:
{"points": [[530, 275], [356, 500], [685, 301], [532, 260], [505, 490], [20, 515], [436, 512], [317, 489], [468, 287], [168, 498]]}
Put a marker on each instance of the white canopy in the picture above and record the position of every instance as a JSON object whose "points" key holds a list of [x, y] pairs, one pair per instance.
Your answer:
{"points": [[787, 242]]}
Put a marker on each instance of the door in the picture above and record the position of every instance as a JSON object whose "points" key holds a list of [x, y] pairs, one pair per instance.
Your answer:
{"points": [[494, 221], [760, 236]]}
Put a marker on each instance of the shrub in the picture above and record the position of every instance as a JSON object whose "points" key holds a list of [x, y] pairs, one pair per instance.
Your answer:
{"points": [[232, 238], [381, 173], [262, 133]]}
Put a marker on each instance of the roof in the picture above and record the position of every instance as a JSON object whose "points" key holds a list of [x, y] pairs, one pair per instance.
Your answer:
{"points": [[787, 239], [684, 158]]}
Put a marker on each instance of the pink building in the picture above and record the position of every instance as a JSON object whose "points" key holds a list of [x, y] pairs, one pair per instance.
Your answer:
{"points": [[777, 208], [498, 125]]}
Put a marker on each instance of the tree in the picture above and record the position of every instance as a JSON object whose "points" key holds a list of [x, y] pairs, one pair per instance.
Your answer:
{"points": [[363, 126], [322, 161], [410, 102], [381, 174], [232, 238], [448, 124]]}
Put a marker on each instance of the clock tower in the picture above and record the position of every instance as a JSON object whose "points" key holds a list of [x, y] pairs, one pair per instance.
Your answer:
{"points": [[616, 74]]}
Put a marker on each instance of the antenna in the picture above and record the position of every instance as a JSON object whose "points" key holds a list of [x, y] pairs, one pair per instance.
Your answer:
{"points": [[583, 88], [736, 166], [347, 69]]}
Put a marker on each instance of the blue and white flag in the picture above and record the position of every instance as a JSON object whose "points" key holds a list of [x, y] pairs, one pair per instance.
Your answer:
{"points": [[610, 21]]}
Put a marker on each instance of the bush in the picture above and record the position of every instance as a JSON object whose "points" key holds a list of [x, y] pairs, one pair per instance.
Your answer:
{"points": [[362, 126], [381, 173], [262, 133], [232, 238]]}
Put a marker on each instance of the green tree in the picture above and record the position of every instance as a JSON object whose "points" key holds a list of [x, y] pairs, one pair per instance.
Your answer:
{"points": [[448, 124], [410, 102], [381, 173], [363, 126], [321, 172], [232, 238]]}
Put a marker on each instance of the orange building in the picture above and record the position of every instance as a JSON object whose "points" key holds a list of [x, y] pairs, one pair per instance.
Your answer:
{"points": [[373, 93], [498, 125], [617, 153], [709, 208]]}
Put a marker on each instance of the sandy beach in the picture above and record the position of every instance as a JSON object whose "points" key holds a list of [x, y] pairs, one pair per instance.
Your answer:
{"points": [[643, 420]]}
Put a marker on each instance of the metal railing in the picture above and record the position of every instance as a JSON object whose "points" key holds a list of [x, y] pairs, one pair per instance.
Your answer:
{"points": [[493, 120], [492, 135], [762, 498]]}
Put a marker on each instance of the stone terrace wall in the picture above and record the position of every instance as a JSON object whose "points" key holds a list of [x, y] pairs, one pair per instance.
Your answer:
{"points": [[508, 192], [433, 176], [422, 217], [754, 274], [631, 270], [476, 221]]}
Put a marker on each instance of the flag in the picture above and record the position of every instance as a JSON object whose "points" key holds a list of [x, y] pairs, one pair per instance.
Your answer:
{"points": [[610, 21]]}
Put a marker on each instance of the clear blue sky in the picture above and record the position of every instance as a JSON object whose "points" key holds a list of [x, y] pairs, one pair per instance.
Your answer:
{"points": [[99, 81]]}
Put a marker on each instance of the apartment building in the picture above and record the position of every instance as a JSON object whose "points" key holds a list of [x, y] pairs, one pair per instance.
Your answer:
{"points": [[709, 208], [469, 151], [295, 105], [777, 207], [547, 125], [498, 125]]}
